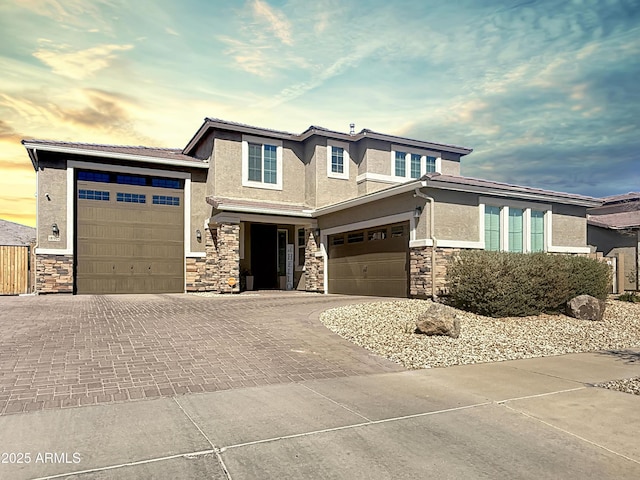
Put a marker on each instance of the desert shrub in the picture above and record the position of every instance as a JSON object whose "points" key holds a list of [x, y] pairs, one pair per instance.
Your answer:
{"points": [[632, 297], [503, 284]]}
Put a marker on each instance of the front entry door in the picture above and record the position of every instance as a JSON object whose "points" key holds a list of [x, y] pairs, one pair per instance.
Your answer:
{"points": [[264, 244]]}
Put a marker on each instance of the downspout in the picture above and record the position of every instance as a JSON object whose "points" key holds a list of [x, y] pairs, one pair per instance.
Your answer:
{"points": [[434, 241]]}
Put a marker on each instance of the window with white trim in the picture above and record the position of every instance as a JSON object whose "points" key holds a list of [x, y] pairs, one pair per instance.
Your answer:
{"points": [[537, 231], [261, 163], [516, 232], [515, 227], [337, 159], [491, 228], [409, 163], [301, 241], [400, 164]]}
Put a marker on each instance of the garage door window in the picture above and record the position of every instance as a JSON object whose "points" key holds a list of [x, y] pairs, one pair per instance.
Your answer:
{"points": [[93, 195], [131, 197], [355, 237], [94, 177], [131, 180], [165, 200], [165, 183]]}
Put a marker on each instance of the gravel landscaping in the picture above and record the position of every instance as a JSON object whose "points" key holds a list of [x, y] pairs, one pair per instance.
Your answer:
{"points": [[386, 328]]}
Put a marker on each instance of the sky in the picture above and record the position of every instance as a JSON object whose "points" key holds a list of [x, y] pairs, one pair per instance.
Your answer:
{"points": [[547, 93]]}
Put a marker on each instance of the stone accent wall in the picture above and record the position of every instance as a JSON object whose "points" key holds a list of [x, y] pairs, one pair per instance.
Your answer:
{"points": [[196, 280], [223, 259], [54, 273], [420, 270], [313, 266]]}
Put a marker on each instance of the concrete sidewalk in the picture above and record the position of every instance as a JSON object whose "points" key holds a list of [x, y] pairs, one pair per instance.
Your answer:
{"points": [[535, 418]]}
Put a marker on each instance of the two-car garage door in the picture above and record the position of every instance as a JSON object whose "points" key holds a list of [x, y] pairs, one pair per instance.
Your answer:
{"points": [[129, 234], [370, 262]]}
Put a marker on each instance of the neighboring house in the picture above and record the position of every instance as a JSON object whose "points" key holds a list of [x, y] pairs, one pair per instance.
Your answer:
{"points": [[614, 229], [16, 255], [322, 211]]}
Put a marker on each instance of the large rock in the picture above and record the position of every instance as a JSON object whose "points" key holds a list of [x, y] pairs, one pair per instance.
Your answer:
{"points": [[438, 321], [586, 307]]}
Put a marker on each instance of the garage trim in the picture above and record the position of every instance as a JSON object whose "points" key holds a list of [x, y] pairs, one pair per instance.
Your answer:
{"points": [[400, 217]]}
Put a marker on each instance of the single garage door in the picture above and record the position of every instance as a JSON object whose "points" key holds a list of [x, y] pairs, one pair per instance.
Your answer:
{"points": [[370, 262], [129, 234]]}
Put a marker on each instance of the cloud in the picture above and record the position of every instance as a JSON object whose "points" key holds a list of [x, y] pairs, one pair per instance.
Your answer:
{"points": [[79, 64], [273, 20], [171, 31], [7, 133], [105, 110]]}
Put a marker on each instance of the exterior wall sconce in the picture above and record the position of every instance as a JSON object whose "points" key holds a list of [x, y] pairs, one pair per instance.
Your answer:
{"points": [[316, 233], [55, 230], [199, 235], [417, 212]]}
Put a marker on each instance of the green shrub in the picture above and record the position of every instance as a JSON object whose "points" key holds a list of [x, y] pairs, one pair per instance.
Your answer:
{"points": [[502, 284], [632, 297]]}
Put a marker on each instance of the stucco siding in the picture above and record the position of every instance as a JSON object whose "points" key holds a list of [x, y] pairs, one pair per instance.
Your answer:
{"points": [[52, 180], [332, 190], [390, 206], [450, 167], [569, 226], [456, 216], [377, 158], [228, 179], [200, 210]]}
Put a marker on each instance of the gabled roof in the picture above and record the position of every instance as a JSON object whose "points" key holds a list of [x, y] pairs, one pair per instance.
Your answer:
{"points": [[625, 197], [16, 234], [217, 123], [168, 156], [271, 208], [616, 221], [489, 187]]}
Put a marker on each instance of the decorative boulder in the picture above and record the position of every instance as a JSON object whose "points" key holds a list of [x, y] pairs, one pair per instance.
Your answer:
{"points": [[438, 321], [586, 307]]}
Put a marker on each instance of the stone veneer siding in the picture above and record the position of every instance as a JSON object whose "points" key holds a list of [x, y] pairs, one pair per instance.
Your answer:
{"points": [[313, 266], [196, 280], [420, 270], [54, 273], [223, 259]]}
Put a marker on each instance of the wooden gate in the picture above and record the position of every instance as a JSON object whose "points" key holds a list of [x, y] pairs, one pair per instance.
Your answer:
{"points": [[14, 269]]}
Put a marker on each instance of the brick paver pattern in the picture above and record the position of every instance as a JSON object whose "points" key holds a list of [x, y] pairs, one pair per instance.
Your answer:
{"points": [[68, 351]]}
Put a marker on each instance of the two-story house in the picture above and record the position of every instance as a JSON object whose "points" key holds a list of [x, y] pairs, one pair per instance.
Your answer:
{"points": [[322, 211]]}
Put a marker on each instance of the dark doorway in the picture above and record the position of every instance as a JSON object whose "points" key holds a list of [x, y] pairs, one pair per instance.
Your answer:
{"points": [[264, 264]]}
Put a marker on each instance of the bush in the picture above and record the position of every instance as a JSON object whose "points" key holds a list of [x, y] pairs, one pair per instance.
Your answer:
{"points": [[632, 297], [502, 284]]}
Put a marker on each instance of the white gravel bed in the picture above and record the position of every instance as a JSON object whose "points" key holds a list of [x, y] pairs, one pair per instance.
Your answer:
{"points": [[626, 385], [386, 328]]}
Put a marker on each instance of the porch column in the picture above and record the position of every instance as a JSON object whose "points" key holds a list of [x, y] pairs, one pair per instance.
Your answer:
{"points": [[228, 256], [313, 265]]}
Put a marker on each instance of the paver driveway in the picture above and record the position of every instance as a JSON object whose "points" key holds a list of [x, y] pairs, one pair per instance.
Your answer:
{"points": [[65, 351]]}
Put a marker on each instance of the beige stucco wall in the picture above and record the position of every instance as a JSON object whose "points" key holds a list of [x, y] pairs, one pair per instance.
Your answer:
{"points": [[333, 190], [450, 163], [377, 157], [402, 203], [200, 210], [613, 243], [569, 226], [227, 156], [52, 179], [457, 215]]}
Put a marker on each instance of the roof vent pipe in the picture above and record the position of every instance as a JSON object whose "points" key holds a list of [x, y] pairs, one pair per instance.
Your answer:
{"points": [[352, 129]]}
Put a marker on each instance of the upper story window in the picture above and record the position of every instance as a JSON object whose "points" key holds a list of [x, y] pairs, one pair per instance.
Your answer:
{"points": [[515, 228], [406, 163], [337, 159], [400, 166], [431, 164], [261, 163]]}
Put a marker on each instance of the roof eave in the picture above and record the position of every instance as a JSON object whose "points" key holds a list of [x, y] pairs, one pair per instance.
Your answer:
{"points": [[116, 156], [372, 197], [503, 192]]}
